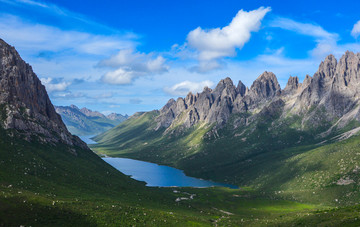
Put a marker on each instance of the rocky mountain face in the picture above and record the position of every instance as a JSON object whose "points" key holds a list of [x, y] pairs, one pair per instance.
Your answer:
{"points": [[25, 105], [332, 91], [216, 106], [84, 121]]}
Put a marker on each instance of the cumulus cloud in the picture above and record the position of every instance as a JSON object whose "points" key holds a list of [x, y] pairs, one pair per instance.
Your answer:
{"points": [[185, 87], [129, 65], [213, 44], [119, 76], [355, 32], [326, 42], [53, 85]]}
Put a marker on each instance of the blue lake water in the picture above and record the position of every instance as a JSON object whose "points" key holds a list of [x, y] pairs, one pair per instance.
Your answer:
{"points": [[155, 175], [159, 175]]}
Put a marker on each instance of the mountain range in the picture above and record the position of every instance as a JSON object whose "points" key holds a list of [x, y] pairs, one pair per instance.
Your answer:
{"points": [[49, 177], [83, 121], [263, 137]]}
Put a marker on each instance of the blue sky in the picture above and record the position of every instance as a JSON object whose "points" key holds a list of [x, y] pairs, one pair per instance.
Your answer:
{"points": [[129, 56]]}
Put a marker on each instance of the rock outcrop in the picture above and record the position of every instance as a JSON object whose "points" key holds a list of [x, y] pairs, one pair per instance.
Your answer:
{"points": [[25, 105], [292, 86]]}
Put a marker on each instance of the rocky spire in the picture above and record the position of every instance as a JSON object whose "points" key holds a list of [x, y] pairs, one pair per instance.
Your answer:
{"points": [[326, 69], [264, 87], [241, 89], [225, 88], [306, 81], [292, 85], [347, 71]]}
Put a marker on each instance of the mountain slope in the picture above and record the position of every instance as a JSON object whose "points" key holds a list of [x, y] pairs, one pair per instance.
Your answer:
{"points": [[246, 136], [50, 178], [38, 154], [83, 121]]}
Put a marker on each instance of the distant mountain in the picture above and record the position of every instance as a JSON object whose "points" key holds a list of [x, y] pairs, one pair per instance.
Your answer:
{"points": [[263, 136], [83, 121]]}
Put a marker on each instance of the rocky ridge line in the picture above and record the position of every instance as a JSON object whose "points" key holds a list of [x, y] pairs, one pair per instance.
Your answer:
{"points": [[334, 89]]}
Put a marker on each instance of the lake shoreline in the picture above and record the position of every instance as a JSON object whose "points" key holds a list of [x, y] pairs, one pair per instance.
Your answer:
{"points": [[156, 175]]}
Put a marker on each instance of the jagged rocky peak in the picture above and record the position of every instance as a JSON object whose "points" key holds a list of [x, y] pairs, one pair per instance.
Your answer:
{"points": [[241, 89], [306, 81], [167, 106], [190, 99], [91, 113], [327, 68], [74, 107], [224, 84], [264, 87], [348, 69], [225, 88], [292, 84], [26, 104], [320, 84]]}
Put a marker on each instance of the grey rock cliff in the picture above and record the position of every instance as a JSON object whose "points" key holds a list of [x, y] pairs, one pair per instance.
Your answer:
{"points": [[334, 91], [292, 86], [216, 106], [25, 104]]}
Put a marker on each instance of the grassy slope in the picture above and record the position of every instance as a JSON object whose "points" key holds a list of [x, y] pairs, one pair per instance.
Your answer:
{"points": [[135, 138], [44, 185], [269, 155]]}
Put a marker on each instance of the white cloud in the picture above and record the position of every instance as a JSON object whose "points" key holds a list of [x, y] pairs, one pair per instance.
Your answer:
{"points": [[185, 87], [216, 43], [52, 85], [326, 42], [355, 32], [303, 28], [30, 36], [130, 65], [120, 76]]}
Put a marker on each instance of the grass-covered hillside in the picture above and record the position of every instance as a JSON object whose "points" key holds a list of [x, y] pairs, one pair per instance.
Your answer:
{"points": [[44, 185], [47, 185], [264, 152]]}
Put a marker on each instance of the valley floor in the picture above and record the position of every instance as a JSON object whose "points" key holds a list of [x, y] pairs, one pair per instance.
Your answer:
{"points": [[158, 207]]}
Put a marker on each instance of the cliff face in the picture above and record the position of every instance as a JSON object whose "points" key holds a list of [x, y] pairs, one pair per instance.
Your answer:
{"points": [[333, 89], [216, 106], [25, 104]]}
